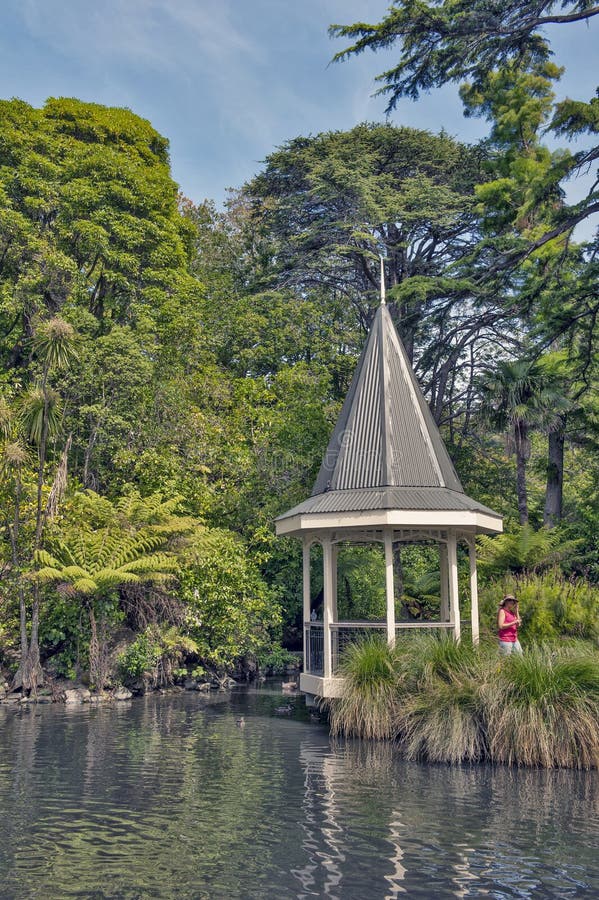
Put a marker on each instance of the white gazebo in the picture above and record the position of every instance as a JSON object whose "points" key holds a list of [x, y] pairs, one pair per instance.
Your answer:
{"points": [[386, 477]]}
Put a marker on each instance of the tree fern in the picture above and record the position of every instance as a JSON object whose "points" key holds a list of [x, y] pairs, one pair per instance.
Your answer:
{"points": [[106, 546], [521, 550]]}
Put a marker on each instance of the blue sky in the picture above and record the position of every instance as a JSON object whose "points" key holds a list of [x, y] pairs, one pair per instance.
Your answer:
{"points": [[226, 81]]}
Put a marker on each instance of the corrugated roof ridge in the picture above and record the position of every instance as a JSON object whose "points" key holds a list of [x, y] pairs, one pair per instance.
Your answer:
{"points": [[385, 430], [380, 498], [414, 390], [437, 452], [385, 409], [325, 474]]}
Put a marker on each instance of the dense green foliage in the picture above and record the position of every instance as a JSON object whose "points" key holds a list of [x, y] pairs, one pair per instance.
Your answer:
{"points": [[552, 606], [171, 374], [109, 383], [448, 702]]}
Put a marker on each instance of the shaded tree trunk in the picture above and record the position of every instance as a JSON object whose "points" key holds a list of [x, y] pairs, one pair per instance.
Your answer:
{"points": [[32, 672], [521, 488], [93, 434], [555, 475], [29, 674], [94, 650], [14, 528], [522, 447]]}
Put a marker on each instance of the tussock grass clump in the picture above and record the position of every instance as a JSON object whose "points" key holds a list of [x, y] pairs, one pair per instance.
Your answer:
{"points": [[423, 658], [368, 707], [453, 703], [443, 724], [440, 717], [543, 710]]}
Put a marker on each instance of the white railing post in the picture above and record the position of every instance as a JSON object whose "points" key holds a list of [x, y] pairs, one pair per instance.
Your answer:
{"points": [[454, 604], [389, 587]]}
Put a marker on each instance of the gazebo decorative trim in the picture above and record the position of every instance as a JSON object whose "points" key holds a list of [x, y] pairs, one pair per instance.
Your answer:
{"points": [[386, 477], [467, 521]]}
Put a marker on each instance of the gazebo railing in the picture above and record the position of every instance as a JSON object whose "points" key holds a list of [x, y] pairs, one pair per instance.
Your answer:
{"points": [[345, 633], [314, 647]]}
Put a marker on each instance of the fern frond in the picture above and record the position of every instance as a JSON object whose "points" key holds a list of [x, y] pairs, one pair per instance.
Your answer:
{"points": [[48, 574]]}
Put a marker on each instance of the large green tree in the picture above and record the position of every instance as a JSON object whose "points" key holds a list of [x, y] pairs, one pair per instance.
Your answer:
{"points": [[90, 217], [441, 41], [335, 202], [500, 54], [91, 230]]}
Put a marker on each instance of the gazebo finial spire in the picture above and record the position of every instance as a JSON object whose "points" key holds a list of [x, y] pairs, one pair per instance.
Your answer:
{"points": [[383, 298]]}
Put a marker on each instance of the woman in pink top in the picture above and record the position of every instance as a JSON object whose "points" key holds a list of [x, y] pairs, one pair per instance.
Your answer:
{"points": [[508, 620]]}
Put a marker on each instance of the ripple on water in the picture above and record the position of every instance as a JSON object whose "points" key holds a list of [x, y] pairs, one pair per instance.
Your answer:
{"points": [[170, 799]]}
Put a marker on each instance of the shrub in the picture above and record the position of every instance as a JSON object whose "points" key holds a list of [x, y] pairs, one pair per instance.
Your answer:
{"points": [[276, 661], [231, 612], [520, 550], [140, 657], [551, 606], [157, 654]]}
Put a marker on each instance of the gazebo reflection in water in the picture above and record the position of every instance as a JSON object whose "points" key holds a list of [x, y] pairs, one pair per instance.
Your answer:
{"points": [[386, 479]]}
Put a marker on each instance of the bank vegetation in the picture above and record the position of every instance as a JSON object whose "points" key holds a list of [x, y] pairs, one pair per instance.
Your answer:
{"points": [[444, 702]]}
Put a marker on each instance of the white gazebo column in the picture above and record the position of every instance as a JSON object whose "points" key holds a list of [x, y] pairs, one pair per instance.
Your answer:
{"points": [[389, 587], [473, 590], [307, 600], [454, 605], [444, 573], [334, 551], [328, 616]]}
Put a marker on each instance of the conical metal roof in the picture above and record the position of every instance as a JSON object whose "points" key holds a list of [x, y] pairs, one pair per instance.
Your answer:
{"points": [[385, 435], [386, 451]]}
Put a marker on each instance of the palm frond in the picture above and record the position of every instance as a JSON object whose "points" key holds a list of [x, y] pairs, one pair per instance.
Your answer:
{"points": [[36, 406], [85, 585]]}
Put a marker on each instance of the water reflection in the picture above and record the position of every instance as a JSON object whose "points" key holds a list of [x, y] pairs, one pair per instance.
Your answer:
{"points": [[166, 797], [456, 832]]}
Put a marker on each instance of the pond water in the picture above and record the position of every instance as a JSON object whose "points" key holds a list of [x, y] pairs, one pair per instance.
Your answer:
{"points": [[168, 797]]}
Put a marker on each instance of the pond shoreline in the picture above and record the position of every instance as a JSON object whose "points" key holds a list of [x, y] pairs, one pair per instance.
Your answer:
{"points": [[76, 693]]}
